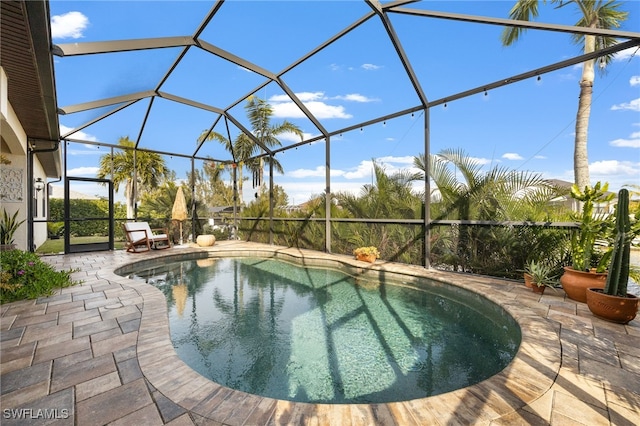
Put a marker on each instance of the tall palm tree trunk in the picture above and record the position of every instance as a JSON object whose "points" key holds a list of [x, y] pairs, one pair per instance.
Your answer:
{"points": [[239, 184], [580, 157], [594, 14], [131, 198]]}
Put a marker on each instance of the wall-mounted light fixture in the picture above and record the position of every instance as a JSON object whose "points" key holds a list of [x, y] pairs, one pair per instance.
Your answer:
{"points": [[38, 185]]}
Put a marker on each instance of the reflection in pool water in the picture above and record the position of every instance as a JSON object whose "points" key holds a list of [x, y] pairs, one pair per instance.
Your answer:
{"points": [[280, 330]]}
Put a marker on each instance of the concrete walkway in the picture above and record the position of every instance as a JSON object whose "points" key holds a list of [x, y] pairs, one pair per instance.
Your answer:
{"points": [[99, 353]]}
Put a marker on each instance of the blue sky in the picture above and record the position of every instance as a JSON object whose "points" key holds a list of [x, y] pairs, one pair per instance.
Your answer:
{"points": [[528, 125]]}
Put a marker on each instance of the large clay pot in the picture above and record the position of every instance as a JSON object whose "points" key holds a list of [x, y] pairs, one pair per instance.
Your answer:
{"points": [[612, 308], [575, 283]]}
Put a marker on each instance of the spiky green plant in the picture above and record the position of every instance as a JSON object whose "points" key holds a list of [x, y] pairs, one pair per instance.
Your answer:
{"points": [[542, 275], [592, 227], [618, 276], [8, 226]]}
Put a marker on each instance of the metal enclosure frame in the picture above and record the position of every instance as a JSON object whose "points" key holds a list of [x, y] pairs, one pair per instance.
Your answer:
{"points": [[378, 11]]}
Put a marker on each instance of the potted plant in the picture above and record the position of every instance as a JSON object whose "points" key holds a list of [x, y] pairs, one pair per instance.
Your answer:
{"points": [[588, 268], [8, 226], [540, 276], [55, 230], [367, 254], [613, 303]]}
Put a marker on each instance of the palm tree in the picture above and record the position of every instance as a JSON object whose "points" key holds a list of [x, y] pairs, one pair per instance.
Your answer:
{"points": [[244, 147], [466, 192], [149, 169], [600, 14], [498, 194], [209, 186], [390, 196]]}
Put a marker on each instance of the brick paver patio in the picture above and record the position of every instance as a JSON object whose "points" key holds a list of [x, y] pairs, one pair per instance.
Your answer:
{"points": [[99, 353]]}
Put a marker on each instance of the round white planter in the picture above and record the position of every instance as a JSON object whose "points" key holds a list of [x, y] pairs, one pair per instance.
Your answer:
{"points": [[205, 240]]}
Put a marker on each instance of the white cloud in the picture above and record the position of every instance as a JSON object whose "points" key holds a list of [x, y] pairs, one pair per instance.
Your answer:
{"points": [[292, 137], [317, 172], [512, 156], [362, 170], [408, 159], [283, 107], [355, 97], [352, 180], [64, 130], [614, 167], [305, 173], [83, 171], [89, 150], [68, 25], [316, 103], [300, 192], [539, 157], [391, 165], [286, 110], [310, 96], [318, 109], [634, 105], [634, 80], [483, 161], [625, 54], [303, 96], [366, 67], [632, 142]]}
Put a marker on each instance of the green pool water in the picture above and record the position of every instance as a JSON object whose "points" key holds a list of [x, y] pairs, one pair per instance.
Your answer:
{"points": [[280, 330]]}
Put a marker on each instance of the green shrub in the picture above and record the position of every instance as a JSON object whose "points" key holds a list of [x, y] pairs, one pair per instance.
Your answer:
{"points": [[82, 209], [24, 276]]}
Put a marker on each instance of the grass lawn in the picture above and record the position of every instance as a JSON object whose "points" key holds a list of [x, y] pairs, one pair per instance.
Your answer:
{"points": [[57, 246]]}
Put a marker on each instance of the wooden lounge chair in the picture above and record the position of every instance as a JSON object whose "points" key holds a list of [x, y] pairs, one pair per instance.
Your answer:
{"points": [[140, 237]]}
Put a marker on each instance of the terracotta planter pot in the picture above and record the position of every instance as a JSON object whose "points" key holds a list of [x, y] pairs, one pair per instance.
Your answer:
{"points": [[538, 289], [205, 240], [7, 247], [612, 308], [528, 280], [366, 257], [575, 283]]}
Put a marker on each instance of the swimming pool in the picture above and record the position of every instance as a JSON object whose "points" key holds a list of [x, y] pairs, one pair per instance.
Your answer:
{"points": [[276, 329]]}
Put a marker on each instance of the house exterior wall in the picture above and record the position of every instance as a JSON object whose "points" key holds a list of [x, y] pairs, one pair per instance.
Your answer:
{"points": [[13, 177]]}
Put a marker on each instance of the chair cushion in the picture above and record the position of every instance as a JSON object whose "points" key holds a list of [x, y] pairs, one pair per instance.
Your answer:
{"points": [[137, 230]]}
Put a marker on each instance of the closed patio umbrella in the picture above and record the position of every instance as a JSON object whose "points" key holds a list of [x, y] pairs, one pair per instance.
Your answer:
{"points": [[179, 210]]}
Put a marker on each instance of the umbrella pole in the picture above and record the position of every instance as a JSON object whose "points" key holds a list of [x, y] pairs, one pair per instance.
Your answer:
{"points": [[180, 232]]}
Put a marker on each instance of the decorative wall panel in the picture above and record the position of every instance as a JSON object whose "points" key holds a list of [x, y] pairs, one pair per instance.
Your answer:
{"points": [[11, 185]]}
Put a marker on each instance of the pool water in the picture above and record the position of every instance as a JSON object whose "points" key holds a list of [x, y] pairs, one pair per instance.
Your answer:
{"points": [[280, 330]]}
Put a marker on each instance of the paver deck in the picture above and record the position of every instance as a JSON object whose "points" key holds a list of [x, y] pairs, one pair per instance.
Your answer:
{"points": [[100, 353]]}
